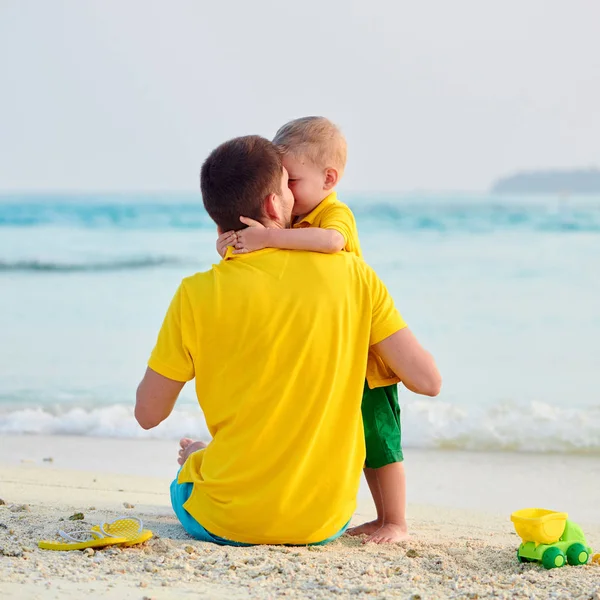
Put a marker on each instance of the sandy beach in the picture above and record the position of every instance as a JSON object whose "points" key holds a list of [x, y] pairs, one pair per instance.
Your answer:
{"points": [[233, 220], [462, 545]]}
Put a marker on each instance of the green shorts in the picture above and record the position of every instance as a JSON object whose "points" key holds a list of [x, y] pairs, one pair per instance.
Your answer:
{"points": [[381, 419]]}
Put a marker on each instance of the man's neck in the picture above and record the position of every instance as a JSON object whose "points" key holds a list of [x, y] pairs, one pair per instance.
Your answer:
{"points": [[269, 224]]}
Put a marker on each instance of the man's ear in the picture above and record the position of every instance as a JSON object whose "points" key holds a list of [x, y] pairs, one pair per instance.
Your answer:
{"points": [[219, 231], [331, 178], [271, 207]]}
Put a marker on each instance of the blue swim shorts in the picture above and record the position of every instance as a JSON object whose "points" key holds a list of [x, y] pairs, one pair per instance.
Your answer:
{"points": [[180, 492]]}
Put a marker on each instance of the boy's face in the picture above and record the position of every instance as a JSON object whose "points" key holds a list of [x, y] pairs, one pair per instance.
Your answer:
{"points": [[286, 199], [306, 182]]}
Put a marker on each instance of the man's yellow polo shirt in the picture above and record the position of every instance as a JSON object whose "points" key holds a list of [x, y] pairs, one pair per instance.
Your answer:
{"points": [[277, 341], [333, 214]]}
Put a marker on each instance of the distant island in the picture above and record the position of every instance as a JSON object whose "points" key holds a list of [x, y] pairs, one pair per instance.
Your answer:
{"points": [[583, 181]]}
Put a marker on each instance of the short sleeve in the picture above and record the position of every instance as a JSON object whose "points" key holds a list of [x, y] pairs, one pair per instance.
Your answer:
{"points": [[340, 218], [385, 319], [172, 355]]}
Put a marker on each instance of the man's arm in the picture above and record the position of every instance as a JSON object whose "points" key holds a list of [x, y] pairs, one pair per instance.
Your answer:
{"points": [[155, 398], [403, 353], [170, 364]]}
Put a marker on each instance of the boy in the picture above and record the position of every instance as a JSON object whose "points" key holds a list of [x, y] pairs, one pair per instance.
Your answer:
{"points": [[314, 154]]}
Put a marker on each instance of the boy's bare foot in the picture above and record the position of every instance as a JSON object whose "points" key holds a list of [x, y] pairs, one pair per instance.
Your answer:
{"points": [[390, 533], [366, 528], [188, 447]]}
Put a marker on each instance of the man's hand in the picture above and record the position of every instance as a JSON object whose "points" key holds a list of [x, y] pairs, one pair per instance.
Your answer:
{"points": [[225, 239], [250, 239]]}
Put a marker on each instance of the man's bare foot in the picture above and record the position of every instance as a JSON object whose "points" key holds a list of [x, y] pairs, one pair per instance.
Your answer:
{"points": [[390, 533], [188, 447], [366, 528]]}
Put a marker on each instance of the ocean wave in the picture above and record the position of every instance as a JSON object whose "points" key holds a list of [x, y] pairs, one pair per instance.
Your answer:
{"points": [[404, 214], [538, 427], [113, 421], [504, 427], [114, 215], [109, 265], [484, 218]]}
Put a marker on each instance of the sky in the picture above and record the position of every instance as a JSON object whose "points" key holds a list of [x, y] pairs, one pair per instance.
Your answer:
{"points": [[131, 95]]}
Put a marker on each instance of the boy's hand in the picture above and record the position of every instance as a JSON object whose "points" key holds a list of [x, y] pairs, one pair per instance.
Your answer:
{"points": [[250, 239], [225, 239]]}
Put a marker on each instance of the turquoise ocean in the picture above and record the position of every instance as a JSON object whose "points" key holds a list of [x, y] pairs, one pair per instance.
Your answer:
{"points": [[505, 291]]}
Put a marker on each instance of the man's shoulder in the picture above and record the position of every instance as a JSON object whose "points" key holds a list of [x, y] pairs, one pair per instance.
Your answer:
{"points": [[278, 259], [229, 268], [356, 264], [339, 260], [198, 281]]}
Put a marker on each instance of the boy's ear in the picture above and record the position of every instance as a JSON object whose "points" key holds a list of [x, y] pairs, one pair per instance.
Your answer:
{"points": [[331, 178]]}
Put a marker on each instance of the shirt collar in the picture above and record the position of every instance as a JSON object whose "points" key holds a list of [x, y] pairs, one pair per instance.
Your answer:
{"points": [[311, 217], [229, 255]]}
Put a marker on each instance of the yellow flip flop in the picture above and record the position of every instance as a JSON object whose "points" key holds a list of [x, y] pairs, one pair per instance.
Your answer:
{"points": [[128, 529], [80, 539]]}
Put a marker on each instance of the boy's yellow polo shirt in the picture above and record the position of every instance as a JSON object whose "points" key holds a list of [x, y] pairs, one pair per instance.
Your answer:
{"points": [[333, 214], [277, 341]]}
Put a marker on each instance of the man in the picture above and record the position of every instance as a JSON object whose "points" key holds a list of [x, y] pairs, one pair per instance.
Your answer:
{"points": [[277, 342]]}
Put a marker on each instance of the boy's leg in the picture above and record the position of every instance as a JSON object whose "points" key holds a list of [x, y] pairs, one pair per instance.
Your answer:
{"points": [[373, 481], [392, 483], [371, 526], [384, 469]]}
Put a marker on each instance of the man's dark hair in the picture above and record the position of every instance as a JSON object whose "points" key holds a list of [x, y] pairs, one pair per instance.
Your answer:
{"points": [[237, 177]]}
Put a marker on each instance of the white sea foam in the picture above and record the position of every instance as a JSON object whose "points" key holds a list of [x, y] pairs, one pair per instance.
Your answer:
{"points": [[538, 427], [107, 421], [426, 424]]}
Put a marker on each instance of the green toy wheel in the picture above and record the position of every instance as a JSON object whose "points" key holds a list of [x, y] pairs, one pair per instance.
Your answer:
{"points": [[522, 559], [553, 558], [577, 554]]}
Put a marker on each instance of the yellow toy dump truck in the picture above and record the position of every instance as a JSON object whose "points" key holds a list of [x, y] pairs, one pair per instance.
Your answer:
{"points": [[549, 538]]}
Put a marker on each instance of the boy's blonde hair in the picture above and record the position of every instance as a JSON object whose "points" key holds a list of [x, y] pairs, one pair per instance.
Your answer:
{"points": [[315, 138]]}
